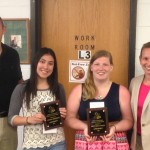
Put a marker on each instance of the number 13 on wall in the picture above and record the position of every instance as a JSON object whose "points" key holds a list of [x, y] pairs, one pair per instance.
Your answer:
{"points": [[84, 54]]}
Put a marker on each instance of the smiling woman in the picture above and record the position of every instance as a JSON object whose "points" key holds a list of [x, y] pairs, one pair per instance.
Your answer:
{"points": [[139, 88], [116, 99], [45, 67], [41, 87]]}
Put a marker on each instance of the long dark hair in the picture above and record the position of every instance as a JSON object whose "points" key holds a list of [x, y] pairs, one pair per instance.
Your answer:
{"points": [[31, 85]]}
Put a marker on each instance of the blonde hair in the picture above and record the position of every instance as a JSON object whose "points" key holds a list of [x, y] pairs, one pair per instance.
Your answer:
{"points": [[89, 89]]}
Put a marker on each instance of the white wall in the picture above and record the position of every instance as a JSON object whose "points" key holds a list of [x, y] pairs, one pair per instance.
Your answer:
{"points": [[142, 30], [17, 9]]}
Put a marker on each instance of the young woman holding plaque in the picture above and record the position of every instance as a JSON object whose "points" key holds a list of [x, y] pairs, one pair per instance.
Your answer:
{"points": [[98, 89], [41, 87]]}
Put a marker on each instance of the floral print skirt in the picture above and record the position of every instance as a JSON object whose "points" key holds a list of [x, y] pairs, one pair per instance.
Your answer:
{"points": [[118, 142]]}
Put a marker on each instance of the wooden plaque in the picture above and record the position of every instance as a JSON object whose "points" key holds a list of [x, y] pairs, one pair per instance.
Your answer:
{"points": [[97, 119], [52, 114]]}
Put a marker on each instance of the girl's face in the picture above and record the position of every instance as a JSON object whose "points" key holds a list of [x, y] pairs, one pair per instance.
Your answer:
{"points": [[101, 68], [145, 60], [45, 66]]}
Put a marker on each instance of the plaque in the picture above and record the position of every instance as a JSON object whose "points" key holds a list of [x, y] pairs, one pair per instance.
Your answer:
{"points": [[52, 114], [97, 119]]}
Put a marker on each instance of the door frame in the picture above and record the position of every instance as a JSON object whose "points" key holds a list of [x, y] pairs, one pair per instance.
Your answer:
{"points": [[132, 40], [35, 34]]}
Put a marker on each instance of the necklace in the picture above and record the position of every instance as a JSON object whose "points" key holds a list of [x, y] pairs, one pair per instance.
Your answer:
{"points": [[99, 97]]}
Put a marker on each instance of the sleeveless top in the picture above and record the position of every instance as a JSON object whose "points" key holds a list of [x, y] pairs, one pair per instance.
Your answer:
{"points": [[111, 101]]}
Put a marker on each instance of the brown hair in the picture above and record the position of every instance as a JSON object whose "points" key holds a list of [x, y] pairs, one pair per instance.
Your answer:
{"points": [[146, 45]]}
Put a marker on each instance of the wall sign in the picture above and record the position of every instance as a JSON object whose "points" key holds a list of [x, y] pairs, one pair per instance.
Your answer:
{"points": [[17, 36], [84, 42], [84, 54], [78, 71]]}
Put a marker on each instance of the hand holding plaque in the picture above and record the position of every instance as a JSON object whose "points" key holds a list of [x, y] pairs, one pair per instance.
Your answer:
{"points": [[97, 119], [52, 114]]}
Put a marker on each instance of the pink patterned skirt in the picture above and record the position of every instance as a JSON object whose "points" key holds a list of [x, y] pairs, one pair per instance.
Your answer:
{"points": [[118, 142]]}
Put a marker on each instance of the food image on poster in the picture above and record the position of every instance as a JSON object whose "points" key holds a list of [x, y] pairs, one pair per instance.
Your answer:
{"points": [[78, 72]]}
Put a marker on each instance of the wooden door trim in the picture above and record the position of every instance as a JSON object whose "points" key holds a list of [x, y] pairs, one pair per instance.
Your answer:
{"points": [[36, 32], [35, 26], [132, 39]]}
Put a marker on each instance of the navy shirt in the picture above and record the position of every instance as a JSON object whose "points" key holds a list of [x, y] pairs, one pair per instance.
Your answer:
{"points": [[111, 101], [10, 74]]}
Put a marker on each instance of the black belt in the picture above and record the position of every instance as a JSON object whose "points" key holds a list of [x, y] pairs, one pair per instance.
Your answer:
{"points": [[3, 114]]}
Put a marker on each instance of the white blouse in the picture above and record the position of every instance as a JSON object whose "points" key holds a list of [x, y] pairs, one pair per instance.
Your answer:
{"points": [[33, 134]]}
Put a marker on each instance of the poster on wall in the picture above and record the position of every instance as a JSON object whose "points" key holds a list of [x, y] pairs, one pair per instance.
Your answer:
{"points": [[78, 71], [17, 37]]}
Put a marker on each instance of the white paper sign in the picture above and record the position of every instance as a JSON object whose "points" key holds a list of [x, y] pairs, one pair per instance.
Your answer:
{"points": [[78, 71], [97, 104]]}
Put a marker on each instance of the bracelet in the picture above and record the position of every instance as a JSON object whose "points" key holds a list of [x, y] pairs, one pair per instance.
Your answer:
{"points": [[27, 120], [114, 127]]}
